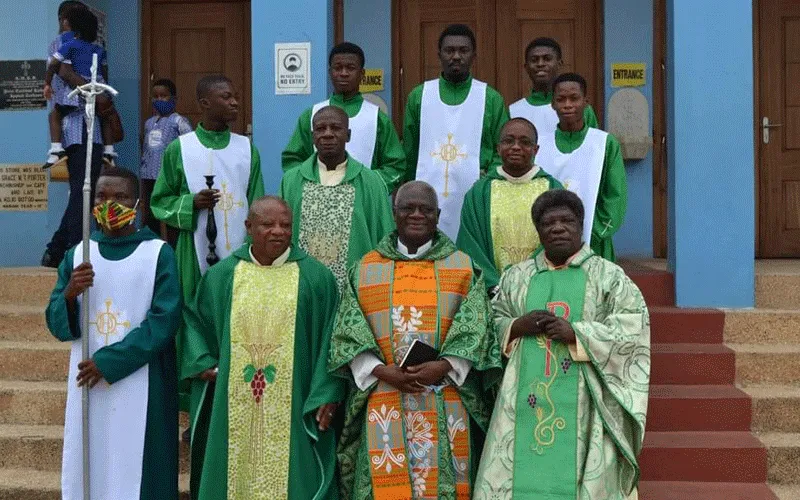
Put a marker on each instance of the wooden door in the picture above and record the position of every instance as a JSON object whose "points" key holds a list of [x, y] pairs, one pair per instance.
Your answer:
{"points": [[779, 103], [184, 41], [573, 23], [419, 24]]}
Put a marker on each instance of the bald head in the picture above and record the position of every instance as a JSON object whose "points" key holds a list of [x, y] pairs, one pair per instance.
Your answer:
{"points": [[268, 203], [269, 224], [330, 129], [334, 112], [416, 189]]}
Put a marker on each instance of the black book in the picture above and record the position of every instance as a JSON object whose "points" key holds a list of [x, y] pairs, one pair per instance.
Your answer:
{"points": [[419, 353]]}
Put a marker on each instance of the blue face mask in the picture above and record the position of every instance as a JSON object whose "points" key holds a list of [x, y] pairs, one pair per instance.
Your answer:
{"points": [[164, 108]]}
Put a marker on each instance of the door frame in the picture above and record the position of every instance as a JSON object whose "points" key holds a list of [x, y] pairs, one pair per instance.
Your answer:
{"points": [[757, 152], [147, 76], [660, 169]]}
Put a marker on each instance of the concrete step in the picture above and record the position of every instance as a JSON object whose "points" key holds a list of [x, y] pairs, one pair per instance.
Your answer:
{"points": [[40, 447], [703, 456], [698, 408], [32, 403], [678, 490], [32, 484], [776, 408], [692, 364], [23, 322], [786, 491], [670, 325], [34, 361], [762, 326], [767, 363], [26, 285], [783, 456], [658, 287], [778, 291], [31, 446]]}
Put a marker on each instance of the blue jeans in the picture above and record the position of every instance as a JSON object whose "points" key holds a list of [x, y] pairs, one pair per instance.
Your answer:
{"points": [[70, 232]]}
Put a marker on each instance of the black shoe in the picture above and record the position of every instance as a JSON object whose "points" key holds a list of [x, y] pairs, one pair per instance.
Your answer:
{"points": [[48, 260]]}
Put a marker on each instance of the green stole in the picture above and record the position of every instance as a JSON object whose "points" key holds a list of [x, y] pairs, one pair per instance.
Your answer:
{"points": [[546, 434]]}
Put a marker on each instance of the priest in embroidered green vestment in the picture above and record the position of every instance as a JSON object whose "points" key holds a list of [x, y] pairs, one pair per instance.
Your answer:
{"points": [[181, 199], [259, 330], [495, 220], [543, 62], [342, 209], [373, 142], [588, 161], [414, 432], [569, 420], [135, 311]]}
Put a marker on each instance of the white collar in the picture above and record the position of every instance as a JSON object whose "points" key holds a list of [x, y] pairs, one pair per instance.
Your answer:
{"points": [[420, 251], [526, 177], [276, 263], [339, 168]]}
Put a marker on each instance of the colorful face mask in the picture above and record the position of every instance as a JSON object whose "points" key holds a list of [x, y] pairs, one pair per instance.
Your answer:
{"points": [[111, 216], [164, 108]]}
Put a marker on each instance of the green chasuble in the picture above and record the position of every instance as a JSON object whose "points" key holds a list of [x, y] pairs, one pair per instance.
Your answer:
{"points": [[495, 207], [267, 329], [449, 309], [388, 160], [152, 343], [337, 225], [495, 115], [546, 98], [612, 196], [569, 420], [173, 203]]}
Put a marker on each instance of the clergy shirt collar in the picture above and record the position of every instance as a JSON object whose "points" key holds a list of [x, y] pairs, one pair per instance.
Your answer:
{"points": [[526, 177], [281, 260], [331, 177], [420, 251]]}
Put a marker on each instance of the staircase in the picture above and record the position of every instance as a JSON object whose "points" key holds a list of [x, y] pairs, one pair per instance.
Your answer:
{"points": [[698, 443], [715, 377], [33, 394]]}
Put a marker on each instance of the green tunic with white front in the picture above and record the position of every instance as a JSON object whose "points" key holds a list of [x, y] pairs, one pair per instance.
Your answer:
{"points": [[150, 343]]}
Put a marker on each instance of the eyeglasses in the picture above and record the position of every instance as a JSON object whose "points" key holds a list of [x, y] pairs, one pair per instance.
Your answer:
{"points": [[406, 210], [524, 142]]}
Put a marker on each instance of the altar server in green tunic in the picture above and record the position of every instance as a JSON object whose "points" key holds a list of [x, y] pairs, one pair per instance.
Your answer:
{"points": [[569, 420], [134, 310], [373, 139]]}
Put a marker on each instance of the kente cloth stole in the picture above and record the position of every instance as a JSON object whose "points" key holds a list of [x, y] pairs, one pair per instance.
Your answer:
{"points": [[513, 235], [412, 437], [263, 312], [546, 439]]}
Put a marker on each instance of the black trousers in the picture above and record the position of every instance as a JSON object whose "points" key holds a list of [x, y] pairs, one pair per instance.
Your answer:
{"points": [[70, 232]]}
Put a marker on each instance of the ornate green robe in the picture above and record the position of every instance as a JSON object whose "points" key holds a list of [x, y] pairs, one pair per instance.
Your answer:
{"points": [[267, 329], [173, 203], [337, 225], [152, 343], [569, 419], [457, 324], [496, 226]]}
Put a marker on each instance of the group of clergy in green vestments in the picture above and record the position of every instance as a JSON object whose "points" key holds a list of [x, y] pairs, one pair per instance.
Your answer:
{"points": [[322, 290]]}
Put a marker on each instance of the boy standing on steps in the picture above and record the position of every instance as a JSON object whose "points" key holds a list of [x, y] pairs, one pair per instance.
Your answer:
{"points": [[134, 310]]}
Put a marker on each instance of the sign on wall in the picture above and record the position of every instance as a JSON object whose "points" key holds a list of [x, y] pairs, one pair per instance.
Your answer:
{"points": [[372, 81], [21, 84], [23, 188], [292, 68], [627, 74]]}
